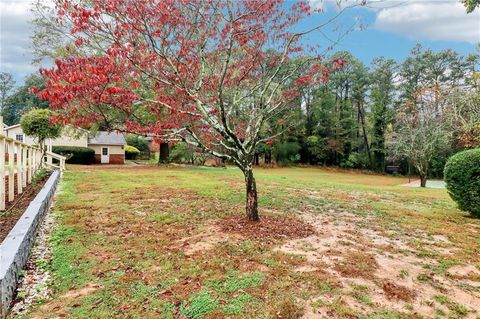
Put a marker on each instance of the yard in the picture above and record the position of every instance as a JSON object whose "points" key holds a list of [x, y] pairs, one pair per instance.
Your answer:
{"points": [[148, 242]]}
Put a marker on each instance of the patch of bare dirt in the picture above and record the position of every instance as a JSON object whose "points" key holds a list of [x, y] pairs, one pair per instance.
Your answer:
{"points": [[81, 292], [59, 306], [354, 251], [206, 240], [344, 307], [465, 272]]}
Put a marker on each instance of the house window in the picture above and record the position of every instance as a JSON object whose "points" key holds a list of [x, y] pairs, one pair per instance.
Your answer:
{"points": [[19, 137], [104, 151]]}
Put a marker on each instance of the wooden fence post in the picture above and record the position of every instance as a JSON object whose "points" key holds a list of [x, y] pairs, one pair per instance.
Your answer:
{"points": [[40, 158], [30, 167], [19, 169], [11, 171], [2, 173], [24, 166], [49, 149], [34, 161]]}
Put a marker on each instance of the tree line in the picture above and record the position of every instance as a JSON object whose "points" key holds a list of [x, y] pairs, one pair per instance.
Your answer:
{"points": [[410, 115], [418, 112]]}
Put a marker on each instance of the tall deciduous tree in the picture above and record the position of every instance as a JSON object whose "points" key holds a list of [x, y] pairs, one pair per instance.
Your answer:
{"points": [[421, 130], [210, 73], [382, 92], [464, 112], [6, 85], [22, 100]]}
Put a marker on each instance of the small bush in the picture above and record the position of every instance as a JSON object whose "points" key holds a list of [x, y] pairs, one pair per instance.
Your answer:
{"points": [[355, 160], [131, 152], [462, 175], [287, 152], [76, 154], [39, 176], [138, 142], [181, 153]]}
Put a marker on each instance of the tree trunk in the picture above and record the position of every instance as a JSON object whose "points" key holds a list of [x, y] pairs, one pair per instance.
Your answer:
{"points": [[364, 130], [268, 157], [251, 206], [423, 180], [164, 153]]}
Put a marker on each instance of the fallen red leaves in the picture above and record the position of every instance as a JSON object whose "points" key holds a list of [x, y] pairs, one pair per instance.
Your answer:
{"points": [[396, 292], [268, 228]]}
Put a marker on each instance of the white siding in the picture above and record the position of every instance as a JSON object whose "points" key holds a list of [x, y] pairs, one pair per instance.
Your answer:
{"points": [[113, 149], [64, 140]]}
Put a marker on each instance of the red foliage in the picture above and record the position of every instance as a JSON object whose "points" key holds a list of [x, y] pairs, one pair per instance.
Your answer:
{"points": [[161, 64]]}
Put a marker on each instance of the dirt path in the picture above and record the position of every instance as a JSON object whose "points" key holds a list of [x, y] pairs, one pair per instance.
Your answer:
{"points": [[381, 268]]}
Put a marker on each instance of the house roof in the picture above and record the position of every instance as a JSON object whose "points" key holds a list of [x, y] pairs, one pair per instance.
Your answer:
{"points": [[6, 128], [107, 138]]}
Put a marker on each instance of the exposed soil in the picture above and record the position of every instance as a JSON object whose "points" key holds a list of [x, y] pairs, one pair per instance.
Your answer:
{"points": [[205, 241], [15, 209], [139, 247], [395, 275]]}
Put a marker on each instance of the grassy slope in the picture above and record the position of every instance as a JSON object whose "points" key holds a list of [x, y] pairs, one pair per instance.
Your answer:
{"points": [[120, 248]]}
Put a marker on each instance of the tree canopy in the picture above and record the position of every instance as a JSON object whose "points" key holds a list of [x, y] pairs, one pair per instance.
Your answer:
{"points": [[209, 73], [20, 100], [37, 123]]}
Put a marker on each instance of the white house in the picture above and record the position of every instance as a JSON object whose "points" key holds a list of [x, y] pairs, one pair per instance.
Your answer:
{"points": [[108, 146]]}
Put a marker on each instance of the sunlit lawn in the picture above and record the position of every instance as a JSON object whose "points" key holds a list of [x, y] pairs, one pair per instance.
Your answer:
{"points": [[141, 242]]}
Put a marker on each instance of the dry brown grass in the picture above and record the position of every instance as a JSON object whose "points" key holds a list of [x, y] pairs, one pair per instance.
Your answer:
{"points": [[397, 292], [269, 229], [357, 264], [155, 238]]}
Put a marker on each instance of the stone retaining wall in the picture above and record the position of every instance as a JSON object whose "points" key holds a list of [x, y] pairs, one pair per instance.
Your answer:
{"points": [[15, 248]]}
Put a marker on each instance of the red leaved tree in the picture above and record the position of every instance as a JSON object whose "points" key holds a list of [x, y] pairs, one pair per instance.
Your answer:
{"points": [[209, 73]]}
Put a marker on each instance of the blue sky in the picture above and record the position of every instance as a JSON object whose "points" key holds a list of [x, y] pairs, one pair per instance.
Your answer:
{"points": [[391, 29]]}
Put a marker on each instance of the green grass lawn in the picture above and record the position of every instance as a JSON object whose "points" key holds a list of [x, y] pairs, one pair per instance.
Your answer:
{"points": [[148, 242]]}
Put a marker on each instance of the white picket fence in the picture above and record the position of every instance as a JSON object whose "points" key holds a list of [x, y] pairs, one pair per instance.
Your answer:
{"points": [[23, 162]]}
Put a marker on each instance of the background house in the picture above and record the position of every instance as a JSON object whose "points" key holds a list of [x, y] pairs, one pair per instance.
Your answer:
{"points": [[108, 146], [69, 137]]}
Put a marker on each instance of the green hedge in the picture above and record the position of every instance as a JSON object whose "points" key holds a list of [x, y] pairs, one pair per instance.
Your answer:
{"points": [[131, 152], [76, 154], [462, 175]]}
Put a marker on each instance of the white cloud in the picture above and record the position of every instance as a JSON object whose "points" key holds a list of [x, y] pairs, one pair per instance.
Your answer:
{"points": [[418, 19], [15, 30], [337, 4], [316, 4], [430, 20], [14, 8]]}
